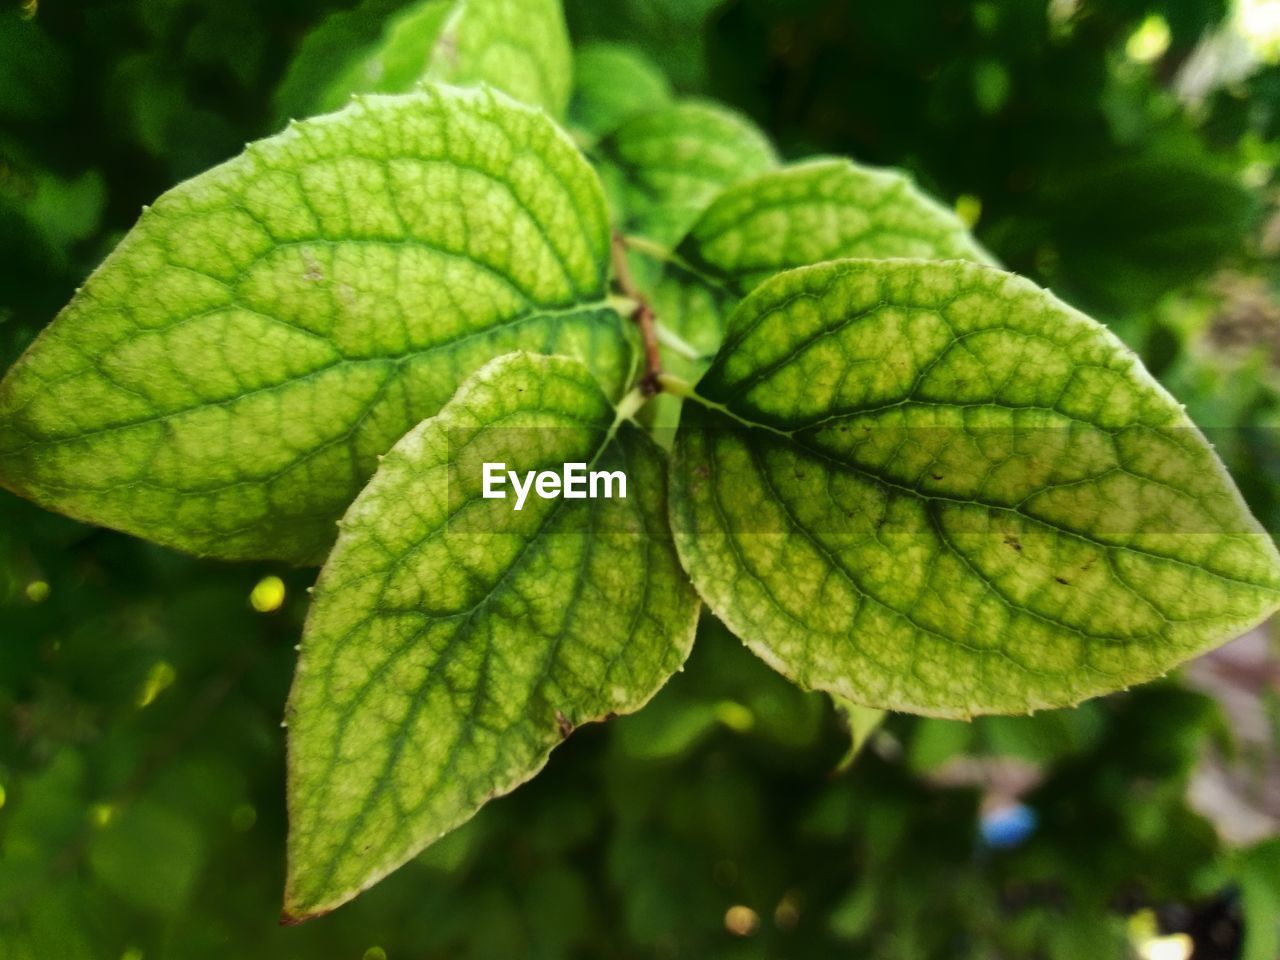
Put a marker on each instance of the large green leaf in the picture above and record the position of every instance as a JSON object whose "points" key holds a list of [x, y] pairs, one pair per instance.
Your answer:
{"points": [[226, 380], [520, 47], [666, 164], [454, 641], [826, 209], [934, 487], [805, 213]]}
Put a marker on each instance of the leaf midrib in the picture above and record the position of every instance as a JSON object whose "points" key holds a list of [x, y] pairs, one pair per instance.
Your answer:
{"points": [[444, 658], [1016, 509], [395, 360]]}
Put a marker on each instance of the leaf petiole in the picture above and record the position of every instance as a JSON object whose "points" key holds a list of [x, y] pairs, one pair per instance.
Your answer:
{"points": [[676, 343], [677, 386]]}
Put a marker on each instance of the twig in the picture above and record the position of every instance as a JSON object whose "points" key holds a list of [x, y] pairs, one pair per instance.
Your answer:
{"points": [[642, 315]]}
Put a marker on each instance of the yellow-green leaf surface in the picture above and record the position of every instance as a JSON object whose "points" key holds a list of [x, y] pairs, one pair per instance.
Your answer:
{"points": [[934, 487], [520, 47], [826, 209], [806, 213], [454, 641], [612, 82], [862, 722], [226, 379], [663, 166]]}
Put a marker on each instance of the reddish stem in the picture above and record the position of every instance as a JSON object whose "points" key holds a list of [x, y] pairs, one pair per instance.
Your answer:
{"points": [[642, 315]]}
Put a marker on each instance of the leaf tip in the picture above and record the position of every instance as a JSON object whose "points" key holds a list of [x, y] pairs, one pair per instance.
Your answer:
{"points": [[288, 918]]}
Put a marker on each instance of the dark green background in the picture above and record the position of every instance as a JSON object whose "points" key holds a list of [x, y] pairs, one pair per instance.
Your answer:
{"points": [[139, 832]]}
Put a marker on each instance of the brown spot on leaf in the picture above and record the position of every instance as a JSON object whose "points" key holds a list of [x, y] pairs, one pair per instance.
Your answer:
{"points": [[564, 723]]}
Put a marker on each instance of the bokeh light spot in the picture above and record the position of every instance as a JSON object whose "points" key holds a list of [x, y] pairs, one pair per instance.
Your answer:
{"points": [[787, 913], [1175, 946], [267, 595], [735, 716], [1259, 23], [1149, 42], [741, 921]]}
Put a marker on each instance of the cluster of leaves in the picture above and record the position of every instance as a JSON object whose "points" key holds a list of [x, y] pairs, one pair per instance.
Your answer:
{"points": [[234, 374]]}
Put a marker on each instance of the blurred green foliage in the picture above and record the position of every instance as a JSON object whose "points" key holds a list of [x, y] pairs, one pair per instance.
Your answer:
{"points": [[141, 756]]}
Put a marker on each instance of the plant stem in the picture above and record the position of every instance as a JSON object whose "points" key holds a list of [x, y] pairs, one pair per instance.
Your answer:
{"points": [[643, 316]]}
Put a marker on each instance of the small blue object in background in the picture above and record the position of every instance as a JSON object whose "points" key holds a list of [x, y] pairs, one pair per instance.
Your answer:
{"points": [[1007, 826]]}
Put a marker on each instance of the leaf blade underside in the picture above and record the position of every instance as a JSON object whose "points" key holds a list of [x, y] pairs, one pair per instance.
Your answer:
{"points": [[934, 487], [453, 641], [794, 216], [225, 381], [819, 210], [662, 166]]}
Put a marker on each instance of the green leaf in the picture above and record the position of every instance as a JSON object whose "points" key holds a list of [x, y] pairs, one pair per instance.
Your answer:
{"points": [[43, 216], [520, 47], [226, 380], [934, 487], [672, 32], [340, 39], [454, 641], [666, 164], [392, 62], [1258, 871], [861, 723], [826, 209], [612, 82], [150, 858], [806, 213]]}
